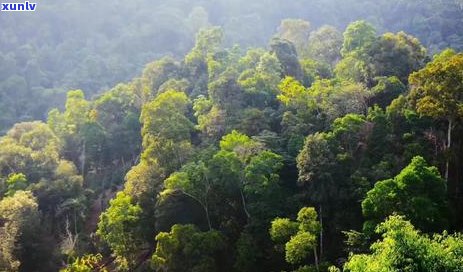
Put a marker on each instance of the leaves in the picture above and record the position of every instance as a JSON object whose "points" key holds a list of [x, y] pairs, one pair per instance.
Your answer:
{"points": [[117, 227], [300, 237], [436, 89], [417, 192], [403, 248], [187, 248]]}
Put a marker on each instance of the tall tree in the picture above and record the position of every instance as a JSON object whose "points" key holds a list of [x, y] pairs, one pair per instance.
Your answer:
{"points": [[396, 55], [22, 247], [437, 92], [357, 37], [118, 228], [166, 130], [418, 192], [325, 45], [296, 31]]}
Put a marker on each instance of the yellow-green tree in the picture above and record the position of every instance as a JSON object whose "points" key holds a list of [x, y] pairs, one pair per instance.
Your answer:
{"points": [[299, 237], [437, 92]]}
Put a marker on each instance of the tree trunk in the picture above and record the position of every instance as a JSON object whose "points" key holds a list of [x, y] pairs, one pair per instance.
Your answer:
{"points": [[204, 205], [449, 144], [244, 204], [316, 258], [207, 217], [75, 222], [83, 160], [321, 232]]}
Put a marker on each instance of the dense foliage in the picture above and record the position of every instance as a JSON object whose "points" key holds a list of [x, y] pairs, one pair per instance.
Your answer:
{"points": [[92, 45], [328, 149]]}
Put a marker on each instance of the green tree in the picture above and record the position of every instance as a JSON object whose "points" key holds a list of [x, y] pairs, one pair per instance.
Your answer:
{"points": [[418, 192], [158, 72], [436, 92], [193, 182], [86, 263], [30, 148], [117, 112], [332, 175], [403, 248], [260, 83], [354, 69], [185, 248], [300, 237], [118, 228], [355, 66], [325, 45], [16, 182], [166, 130], [21, 245], [357, 37], [208, 41], [69, 127], [296, 31], [386, 90], [287, 56], [396, 55]]}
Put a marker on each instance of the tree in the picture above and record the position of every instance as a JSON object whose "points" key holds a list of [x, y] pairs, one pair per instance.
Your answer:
{"points": [[16, 182], [403, 248], [185, 248], [357, 37], [30, 148], [261, 173], [117, 112], [158, 72], [396, 55], [76, 111], [386, 90], [211, 119], [293, 94], [418, 192], [86, 263], [355, 66], [208, 41], [325, 45], [192, 181], [324, 101], [62, 197], [143, 183], [226, 93], [288, 58], [296, 31], [315, 69], [118, 228], [166, 110], [166, 130], [20, 234], [354, 69], [69, 125], [260, 83], [436, 92], [300, 237], [239, 143], [330, 174], [334, 99]]}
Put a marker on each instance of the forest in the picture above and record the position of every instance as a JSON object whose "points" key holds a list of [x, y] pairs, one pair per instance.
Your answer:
{"points": [[207, 135]]}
